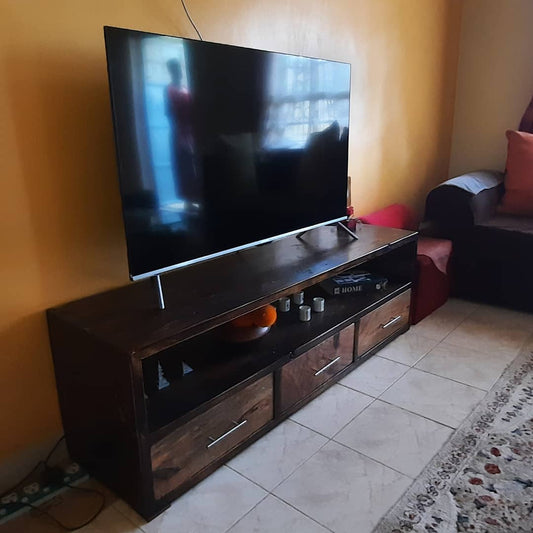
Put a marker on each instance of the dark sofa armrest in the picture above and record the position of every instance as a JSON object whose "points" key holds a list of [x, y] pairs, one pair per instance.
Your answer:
{"points": [[451, 207]]}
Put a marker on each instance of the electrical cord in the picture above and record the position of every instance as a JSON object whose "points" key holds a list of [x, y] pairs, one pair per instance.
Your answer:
{"points": [[190, 19], [61, 524], [49, 456], [34, 469], [54, 474]]}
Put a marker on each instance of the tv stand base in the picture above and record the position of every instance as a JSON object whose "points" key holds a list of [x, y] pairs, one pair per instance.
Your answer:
{"points": [[338, 224]]}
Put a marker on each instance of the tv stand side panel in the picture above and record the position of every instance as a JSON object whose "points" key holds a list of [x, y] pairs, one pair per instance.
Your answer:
{"points": [[102, 416]]}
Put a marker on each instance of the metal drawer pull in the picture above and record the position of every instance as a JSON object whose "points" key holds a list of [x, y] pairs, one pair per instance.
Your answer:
{"points": [[327, 366], [216, 441], [391, 322]]}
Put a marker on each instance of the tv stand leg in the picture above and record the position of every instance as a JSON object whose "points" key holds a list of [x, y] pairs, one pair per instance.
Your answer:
{"points": [[160, 298], [347, 230]]}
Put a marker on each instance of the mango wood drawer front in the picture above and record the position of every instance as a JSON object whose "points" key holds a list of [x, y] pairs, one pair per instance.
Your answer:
{"points": [[182, 453], [384, 321], [301, 376]]}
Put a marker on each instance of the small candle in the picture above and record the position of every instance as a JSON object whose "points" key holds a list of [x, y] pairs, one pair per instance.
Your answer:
{"points": [[318, 304], [298, 298], [284, 304], [304, 312]]}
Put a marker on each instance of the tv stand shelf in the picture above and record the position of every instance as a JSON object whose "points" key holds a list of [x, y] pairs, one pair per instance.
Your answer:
{"points": [[143, 436]]}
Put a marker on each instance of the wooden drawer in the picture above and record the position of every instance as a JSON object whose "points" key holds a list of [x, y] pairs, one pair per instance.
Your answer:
{"points": [[301, 376], [184, 452], [383, 322]]}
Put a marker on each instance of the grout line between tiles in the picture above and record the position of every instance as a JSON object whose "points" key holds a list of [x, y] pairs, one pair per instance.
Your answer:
{"points": [[247, 512], [452, 379], [373, 459], [419, 358], [246, 477], [356, 416], [423, 416], [301, 512], [355, 390]]}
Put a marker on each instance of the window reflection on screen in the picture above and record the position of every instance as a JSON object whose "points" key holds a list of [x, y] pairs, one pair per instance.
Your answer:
{"points": [[303, 98]]}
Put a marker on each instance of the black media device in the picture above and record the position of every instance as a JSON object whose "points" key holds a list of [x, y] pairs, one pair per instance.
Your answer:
{"points": [[220, 147]]}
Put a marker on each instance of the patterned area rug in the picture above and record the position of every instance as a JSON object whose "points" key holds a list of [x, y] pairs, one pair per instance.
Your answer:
{"points": [[482, 479]]}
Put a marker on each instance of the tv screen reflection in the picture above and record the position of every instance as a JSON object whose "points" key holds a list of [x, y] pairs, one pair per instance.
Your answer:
{"points": [[220, 146]]}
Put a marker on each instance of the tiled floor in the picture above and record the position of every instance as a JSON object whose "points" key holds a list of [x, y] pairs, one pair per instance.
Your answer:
{"points": [[339, 463]]}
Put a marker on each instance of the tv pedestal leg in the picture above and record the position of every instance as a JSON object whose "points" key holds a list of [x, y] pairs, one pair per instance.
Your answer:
{"points": [[347, 230], [339, 224], [156, 280]]}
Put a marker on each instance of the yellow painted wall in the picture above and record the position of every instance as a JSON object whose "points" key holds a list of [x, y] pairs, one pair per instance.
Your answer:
{"points": [[495, 81], [60, 222]]}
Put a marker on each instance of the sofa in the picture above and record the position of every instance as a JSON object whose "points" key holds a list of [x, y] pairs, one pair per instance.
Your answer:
{"points": [[492, 257]]}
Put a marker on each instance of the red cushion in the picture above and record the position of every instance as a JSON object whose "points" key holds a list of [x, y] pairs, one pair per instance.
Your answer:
{"points": [[518, 197], [393, 216]]}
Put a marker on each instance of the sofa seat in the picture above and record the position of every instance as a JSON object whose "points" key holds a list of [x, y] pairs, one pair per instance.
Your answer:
{"points": [[492, 253], [509, 223]]}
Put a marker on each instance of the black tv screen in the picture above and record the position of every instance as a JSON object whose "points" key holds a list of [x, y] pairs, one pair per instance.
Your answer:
{"points": [[221, 147]]}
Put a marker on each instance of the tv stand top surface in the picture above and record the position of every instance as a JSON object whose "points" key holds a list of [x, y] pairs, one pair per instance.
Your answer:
{"points": [[203, 296]]}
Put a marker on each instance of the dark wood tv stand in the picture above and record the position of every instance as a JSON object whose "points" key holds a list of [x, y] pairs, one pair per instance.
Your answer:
{"points": [[150, 444]]}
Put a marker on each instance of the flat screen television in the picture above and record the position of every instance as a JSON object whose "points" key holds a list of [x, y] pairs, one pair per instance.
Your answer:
{"points": [[221, 147]]}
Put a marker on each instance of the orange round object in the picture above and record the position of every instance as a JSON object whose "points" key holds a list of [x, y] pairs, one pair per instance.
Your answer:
{"points": [[262, 317]]}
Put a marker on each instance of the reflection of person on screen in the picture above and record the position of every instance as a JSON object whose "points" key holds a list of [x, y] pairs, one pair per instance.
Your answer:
{"points": [[178, 103]]}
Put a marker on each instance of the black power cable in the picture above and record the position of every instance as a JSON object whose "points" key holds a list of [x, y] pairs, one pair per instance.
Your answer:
{"points": [[79, 526], [34, 469], [53, 473], [190, 19]]}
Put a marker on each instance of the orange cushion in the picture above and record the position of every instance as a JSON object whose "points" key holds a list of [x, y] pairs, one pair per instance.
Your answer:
{"points": [[518, 197]]}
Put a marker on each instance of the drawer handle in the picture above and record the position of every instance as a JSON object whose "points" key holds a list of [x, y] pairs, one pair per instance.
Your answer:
{"points": [[327, 366], [391, 322], [216, 441]]}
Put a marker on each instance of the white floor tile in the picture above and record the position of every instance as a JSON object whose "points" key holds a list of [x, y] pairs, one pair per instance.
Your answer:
{"points": [[374, 376], [213, 506], [402, 440], [477, 368], [440, 399], [408, 348], [444, 320], [488, 335], [505, 317], [343, 490], [459, 307], [276, 455], [332, 410], [274, 516]]}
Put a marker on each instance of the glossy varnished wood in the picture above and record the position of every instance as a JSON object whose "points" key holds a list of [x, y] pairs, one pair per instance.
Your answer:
{"points": [[206, 295], [221, 366], [186, 451], [373, 327], [311, 369]]}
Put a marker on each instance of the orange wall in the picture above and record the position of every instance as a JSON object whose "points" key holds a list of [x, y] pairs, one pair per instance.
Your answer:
{"points": [[60, 220], [495, 81]]}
